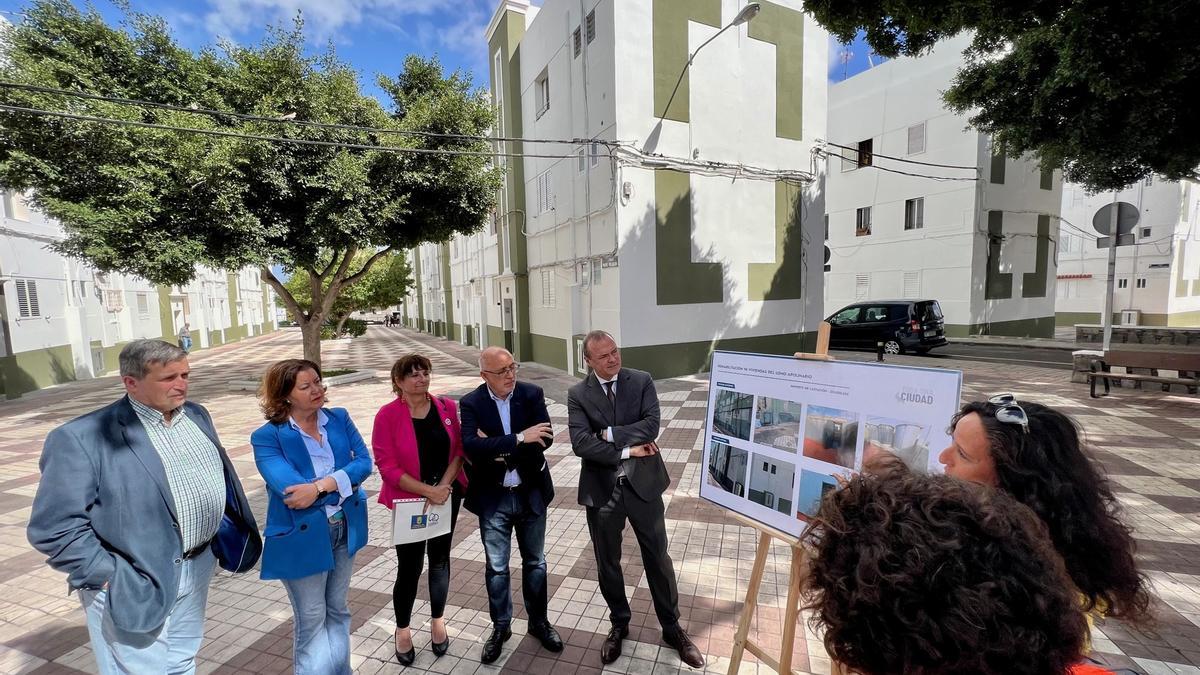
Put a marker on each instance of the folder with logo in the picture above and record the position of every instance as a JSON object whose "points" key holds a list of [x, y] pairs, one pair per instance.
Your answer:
{"points": [[412, 522]]}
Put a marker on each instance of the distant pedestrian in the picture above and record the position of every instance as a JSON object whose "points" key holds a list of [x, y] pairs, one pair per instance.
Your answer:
{"points": [[138, 503], [314, 462], [185, 338]]}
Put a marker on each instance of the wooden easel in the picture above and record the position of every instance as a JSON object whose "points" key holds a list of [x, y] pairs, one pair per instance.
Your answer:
{"points": [[791, 610]]}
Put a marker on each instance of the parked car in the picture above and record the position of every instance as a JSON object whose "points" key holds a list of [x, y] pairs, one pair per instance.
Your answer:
{"points": [[901, 325]]}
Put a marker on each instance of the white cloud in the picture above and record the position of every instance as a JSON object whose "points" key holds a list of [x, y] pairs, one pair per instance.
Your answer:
{"points": [[323, 19]]}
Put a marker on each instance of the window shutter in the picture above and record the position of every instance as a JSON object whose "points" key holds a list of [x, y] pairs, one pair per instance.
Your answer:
{"points": [[912, 284], [591, 26], [862, 286], [916, 138]]}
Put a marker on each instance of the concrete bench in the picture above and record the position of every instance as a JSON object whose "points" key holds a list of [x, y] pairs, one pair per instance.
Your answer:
{"points": [[1185, 365]]}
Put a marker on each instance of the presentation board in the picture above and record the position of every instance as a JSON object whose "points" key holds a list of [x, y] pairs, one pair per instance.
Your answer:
{"points": [[780, 429]]}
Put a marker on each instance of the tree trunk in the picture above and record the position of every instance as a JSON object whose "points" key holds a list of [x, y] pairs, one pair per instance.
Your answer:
{"points": [[340, 325], [310, 329]]}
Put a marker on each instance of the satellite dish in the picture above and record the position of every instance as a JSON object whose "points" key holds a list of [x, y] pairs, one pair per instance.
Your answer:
{"points": [[827, 254], [1127, 218]]}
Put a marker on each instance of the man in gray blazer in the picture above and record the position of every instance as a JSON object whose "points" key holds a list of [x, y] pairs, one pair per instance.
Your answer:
{"points": [[131, 502], [613, 418]]}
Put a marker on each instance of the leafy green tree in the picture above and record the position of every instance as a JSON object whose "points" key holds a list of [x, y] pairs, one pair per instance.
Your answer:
{"points": [[158, 202], [386, 283], [1101, 88]]}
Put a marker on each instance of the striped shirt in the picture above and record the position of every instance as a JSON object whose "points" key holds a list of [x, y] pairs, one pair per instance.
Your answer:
{"points": [[194, 472]]}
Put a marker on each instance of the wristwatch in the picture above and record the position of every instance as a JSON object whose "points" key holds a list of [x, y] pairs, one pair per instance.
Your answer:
{"points": [[321, 492]]}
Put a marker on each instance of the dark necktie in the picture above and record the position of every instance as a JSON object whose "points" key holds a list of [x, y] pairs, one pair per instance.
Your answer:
{"points": [[612, 396]]}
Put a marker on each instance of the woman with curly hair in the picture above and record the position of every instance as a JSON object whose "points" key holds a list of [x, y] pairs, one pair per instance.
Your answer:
{"points": [[1034, 453], [924, 575]]}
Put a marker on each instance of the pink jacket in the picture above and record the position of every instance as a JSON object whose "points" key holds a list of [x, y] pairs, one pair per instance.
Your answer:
{"points": [[394, 442]]}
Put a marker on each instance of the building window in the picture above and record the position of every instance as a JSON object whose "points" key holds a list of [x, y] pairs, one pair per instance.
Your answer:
{"points": [[865, 153], [1141, 283], [914, 214], [1122, 283], [912, 284], [545, 199], [27, 298], [1149, 180], [548, 288], [591, 26], [862, 222], [862, 286], [1146, 232], [916, 139], [143, 305], [542, 87], [595, 155], [15, 206], [826, 227], [596, 273], [582, 160], [578, 40]]}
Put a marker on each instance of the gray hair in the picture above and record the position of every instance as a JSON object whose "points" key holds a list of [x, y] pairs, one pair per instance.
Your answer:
{"points": [[137, 356], [492, 351], [595, 336]]}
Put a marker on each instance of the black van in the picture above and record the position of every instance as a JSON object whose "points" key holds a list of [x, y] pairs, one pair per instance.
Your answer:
{"points": [[901, 325]]}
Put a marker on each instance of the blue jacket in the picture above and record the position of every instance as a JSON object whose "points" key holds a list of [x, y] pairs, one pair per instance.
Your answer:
{"points": [[296, 541], [104, 512]]}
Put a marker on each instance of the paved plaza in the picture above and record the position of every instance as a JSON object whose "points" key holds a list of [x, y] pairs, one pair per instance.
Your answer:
{"points": [[1148, 441]]}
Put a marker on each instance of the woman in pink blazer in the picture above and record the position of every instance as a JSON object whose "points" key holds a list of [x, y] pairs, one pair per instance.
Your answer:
{"points": [[418, 450]]}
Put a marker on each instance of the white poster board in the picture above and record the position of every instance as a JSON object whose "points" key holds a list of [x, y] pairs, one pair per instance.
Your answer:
{"points": [[413, 522], [779, 428]]}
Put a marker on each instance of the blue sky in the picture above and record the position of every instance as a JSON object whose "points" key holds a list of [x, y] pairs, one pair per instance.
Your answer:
{"points": [[372, 35]]}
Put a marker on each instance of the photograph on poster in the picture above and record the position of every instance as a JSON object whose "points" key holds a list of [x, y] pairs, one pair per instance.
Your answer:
{"points": [[777, 423], [813, 486], [906, 440], [771, 483], [727, 468], [732, 412], [831, 435]]}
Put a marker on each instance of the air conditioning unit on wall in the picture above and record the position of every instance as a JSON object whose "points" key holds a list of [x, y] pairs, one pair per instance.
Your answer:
{"points": [[1131, 317]]}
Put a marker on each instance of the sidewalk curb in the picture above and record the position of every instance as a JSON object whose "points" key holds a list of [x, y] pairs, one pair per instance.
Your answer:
{"points": [[1025, 344]]}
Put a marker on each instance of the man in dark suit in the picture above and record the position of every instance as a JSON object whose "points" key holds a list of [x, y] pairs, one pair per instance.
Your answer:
{"points": [[138, 502], [506, 430], [613, 417]]}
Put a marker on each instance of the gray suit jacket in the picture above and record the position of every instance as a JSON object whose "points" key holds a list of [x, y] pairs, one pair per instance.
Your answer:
{"points": [[634, 421], [104, 512]]}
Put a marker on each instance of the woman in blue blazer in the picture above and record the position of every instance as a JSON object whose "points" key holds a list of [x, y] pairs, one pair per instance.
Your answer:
{"points": [[313, 461]]}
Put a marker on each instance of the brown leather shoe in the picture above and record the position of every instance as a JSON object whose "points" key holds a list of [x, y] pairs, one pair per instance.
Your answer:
{"points": [[688, 652], [611, 649]]}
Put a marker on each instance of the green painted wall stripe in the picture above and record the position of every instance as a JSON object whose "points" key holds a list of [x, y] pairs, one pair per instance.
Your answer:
{"points": [[686, 358], [447, 289], [1181, 285], [784, 28], [998, 285], [671, 51], [495, 336], [1037, 327], [420, 288], [1033, 284], [29, 371], [784, 278], [165, 318], [551, 351], [679, 280]]}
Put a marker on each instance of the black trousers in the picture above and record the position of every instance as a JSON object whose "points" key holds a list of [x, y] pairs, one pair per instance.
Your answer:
{"points": [[648, 518], [411, 558]]}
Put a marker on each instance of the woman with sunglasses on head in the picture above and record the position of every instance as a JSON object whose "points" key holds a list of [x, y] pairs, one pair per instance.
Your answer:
{"points": [[418, 446], [313, 461], [1034, 453]]}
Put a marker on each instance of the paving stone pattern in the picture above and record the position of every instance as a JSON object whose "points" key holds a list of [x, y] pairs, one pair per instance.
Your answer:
{"points": [[1146, 439]]}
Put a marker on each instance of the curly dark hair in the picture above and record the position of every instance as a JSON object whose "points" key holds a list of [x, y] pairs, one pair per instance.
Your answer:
{"points": [[1050, 471], [925, 574], [405, 365]]}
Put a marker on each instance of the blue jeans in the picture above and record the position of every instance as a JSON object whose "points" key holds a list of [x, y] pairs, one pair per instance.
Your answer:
{"points": [[173, 648], [513, 512], [321, 639]]}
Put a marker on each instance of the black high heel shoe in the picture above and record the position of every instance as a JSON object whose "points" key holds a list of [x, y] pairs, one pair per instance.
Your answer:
{"points": [[440, 648], [407, 658]]}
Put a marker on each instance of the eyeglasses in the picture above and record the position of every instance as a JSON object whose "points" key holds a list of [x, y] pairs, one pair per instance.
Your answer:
{"points": [[1009, 411], [503, 372]]}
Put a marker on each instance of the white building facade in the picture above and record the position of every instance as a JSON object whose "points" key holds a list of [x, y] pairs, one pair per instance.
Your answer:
{"points": [[62, 321], [1157, 281], [673, 256], [920, 206]]}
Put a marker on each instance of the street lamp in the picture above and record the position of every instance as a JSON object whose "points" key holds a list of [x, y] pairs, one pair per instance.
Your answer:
{"points": [[748, 12]]}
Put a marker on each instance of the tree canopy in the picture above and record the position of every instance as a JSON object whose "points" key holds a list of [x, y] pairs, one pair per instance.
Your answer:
{"points": [[137, 198], [1099, 88], [386, 283]]}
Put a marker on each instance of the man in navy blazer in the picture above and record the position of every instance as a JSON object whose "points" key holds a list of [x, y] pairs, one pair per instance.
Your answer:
{"points": [[506, 431], [137, 502]]}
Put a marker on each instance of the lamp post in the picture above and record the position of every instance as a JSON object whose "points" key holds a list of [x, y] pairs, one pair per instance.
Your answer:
{"points": [[748, 12]]}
